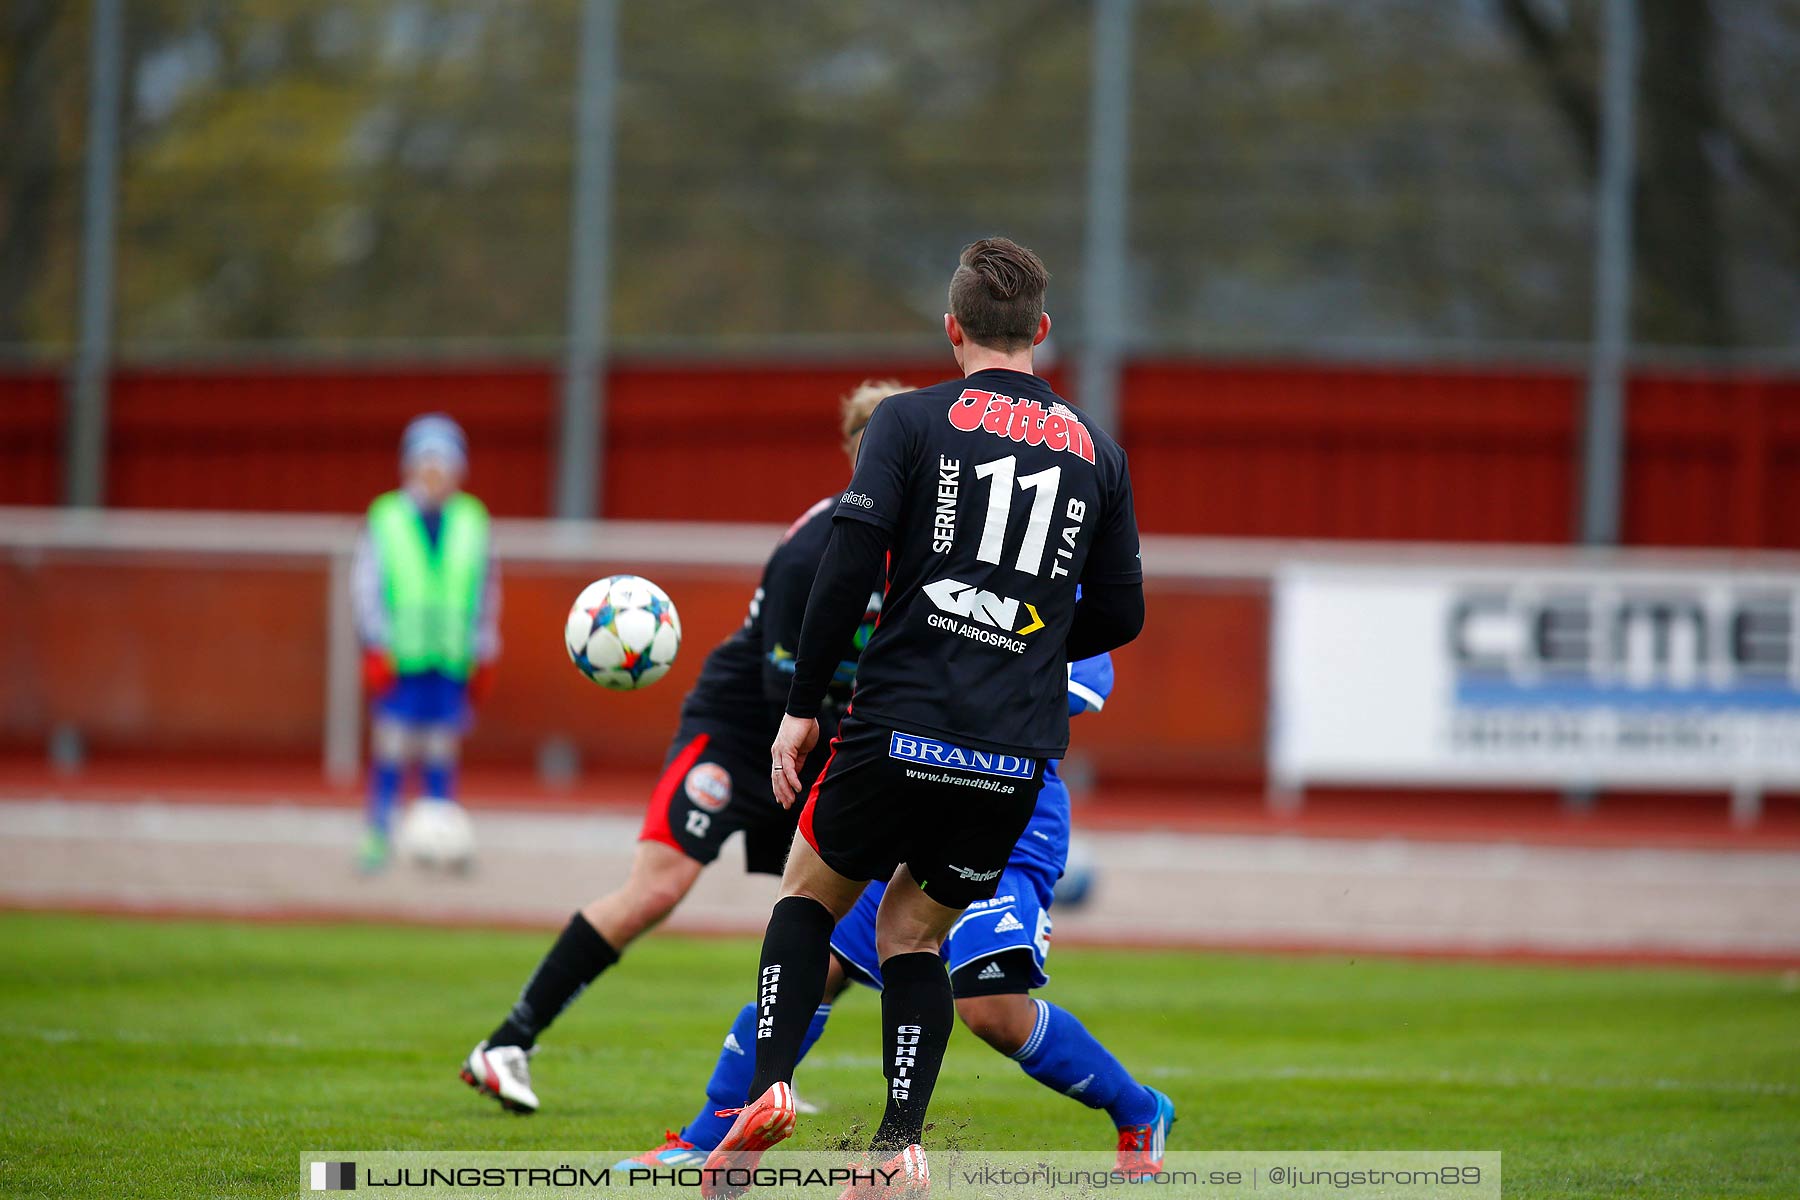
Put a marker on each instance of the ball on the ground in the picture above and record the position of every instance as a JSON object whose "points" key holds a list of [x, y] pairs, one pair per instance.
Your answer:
{"points": [[623, 632], [437, 833], [1076, 887]]}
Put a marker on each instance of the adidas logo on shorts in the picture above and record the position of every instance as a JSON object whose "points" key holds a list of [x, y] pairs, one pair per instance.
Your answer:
{"points": [[1007, 924], [992, 970]]}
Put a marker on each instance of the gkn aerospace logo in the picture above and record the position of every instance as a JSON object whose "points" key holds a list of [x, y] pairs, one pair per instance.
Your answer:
{"points": [[1022, 421], [985, 617]]}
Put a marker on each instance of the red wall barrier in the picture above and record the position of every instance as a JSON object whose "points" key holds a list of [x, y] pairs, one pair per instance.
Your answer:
{"points": [[230, 662], [1712, 462], [30, 438], [1351, 453], [233, 662], [1217, 448], [730, 443], [318, 440]]}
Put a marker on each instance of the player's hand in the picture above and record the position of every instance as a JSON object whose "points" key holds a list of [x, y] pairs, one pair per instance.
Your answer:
{"points": [[377, 672], [793, 742]]}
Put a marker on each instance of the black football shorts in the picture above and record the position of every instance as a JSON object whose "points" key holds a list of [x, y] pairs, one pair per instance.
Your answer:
{"points": [[951, 814], [715, 782]]}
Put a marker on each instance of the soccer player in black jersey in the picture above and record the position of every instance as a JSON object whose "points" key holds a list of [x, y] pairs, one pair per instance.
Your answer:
{"points": [[715, 781], [983, 502]]}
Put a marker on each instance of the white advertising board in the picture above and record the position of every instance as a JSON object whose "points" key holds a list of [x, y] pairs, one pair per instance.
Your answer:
{"points": [[1534, 677]]}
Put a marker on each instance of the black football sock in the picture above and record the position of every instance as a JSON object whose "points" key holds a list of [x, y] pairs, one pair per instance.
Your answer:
{"points": [[796, 952], [575, 961], [917, 1014]]}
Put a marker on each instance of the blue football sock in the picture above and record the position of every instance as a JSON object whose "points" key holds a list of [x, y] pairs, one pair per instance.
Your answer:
{"points": [[1063, 1056], [731, 1076], [384, 789], [439, 779]]}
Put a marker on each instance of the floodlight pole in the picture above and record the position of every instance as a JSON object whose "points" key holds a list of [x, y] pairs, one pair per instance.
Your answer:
{"points": [[1108, 202], [580, 429], [84, 449], [1603, 423], [1603, 431]]}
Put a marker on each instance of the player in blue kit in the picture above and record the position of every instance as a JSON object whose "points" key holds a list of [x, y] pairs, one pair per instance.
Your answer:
{"points": [[995, 955]]}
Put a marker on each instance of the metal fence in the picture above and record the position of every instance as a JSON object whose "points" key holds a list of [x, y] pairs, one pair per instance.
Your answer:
{"points": [[1406, 178]]}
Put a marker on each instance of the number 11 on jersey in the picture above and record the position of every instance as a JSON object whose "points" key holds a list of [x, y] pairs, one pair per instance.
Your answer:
{"points": [[1043, 485]]}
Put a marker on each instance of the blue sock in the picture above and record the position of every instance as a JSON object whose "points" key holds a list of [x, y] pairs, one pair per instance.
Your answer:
{"points": [[384, 789], [439, 779], [1063, 1056], [731, 1077]]}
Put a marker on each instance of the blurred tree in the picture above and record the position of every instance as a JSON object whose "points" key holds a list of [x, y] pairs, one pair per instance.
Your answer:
{"points": [[26, 155], [1687, 141], [1320, 176], [1306, 174], [40, 83], [813, 167], [366, 171]]}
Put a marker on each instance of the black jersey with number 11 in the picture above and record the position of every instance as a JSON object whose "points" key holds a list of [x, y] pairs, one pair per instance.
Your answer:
{"points": [[998, 499]]}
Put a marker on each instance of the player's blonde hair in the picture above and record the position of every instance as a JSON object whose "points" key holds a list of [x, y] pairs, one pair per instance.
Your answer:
{"points": [[858, 405]]}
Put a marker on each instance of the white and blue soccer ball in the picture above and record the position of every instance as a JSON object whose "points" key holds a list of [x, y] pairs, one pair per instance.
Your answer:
{"points": [[623, 632], [437, 834]]}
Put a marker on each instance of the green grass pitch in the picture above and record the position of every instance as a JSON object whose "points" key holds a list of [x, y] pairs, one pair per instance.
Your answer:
{"points": [[200, 1058]]}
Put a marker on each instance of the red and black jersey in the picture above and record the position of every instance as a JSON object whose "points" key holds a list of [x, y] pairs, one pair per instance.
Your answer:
{"points": [[996, 499], [746, 676]]}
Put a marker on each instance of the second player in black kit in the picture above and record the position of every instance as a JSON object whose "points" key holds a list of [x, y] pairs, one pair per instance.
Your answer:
{"points": [[715, 779], [982, 502]]}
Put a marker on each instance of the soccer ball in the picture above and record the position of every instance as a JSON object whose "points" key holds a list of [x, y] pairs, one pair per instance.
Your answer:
{"points": [[1076, 887], [437, 833], [623, 632]]}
